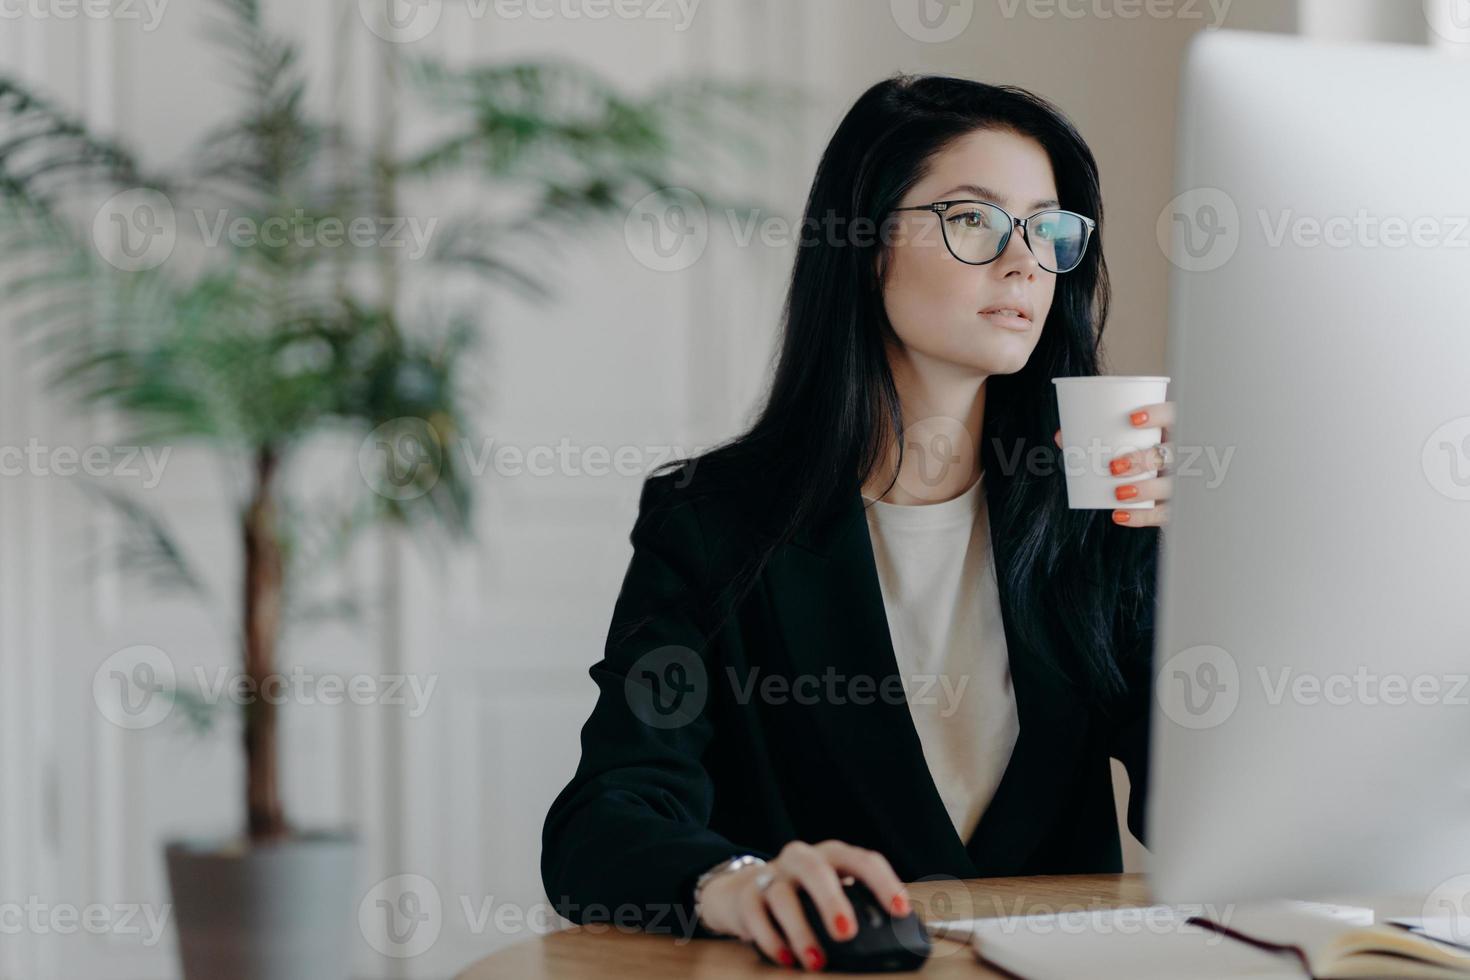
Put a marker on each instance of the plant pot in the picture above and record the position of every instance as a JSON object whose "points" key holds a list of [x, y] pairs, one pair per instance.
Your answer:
{"points": [[282, 911]]}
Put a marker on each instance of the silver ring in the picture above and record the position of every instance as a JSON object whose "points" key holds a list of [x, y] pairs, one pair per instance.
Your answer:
{"points": [[1166, 454], [764, 879]]}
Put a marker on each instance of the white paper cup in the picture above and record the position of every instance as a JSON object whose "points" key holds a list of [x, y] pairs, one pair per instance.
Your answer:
{"points": [[1095, 429]]}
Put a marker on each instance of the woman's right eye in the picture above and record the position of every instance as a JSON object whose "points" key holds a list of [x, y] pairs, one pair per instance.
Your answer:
{"points": [[971, 219]]}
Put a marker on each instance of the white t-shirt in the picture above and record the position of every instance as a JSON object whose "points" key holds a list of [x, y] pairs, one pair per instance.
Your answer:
{"points": [[937, 573]]}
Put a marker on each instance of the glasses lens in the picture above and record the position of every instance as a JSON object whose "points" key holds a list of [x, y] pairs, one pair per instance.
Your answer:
{"points": [[1058, 239], [975, 231]]}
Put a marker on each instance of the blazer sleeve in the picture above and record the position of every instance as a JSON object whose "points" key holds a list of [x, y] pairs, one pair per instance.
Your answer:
{"points": [[625, 839], [1129, 730]]}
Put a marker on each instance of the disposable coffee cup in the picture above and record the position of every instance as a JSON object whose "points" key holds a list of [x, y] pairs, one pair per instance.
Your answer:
{"points": [[1094, 413]]}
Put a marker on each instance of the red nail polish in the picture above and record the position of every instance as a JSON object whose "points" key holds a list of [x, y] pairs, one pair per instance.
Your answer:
{"points": [[1126, 492], [900, 905], [784, 955], [1138, 418], [814, 958], [843, 925], [1120, 465], [1120, 516]]}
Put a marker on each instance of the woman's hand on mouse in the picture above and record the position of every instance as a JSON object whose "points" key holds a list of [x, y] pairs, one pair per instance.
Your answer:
{"points": [[1158, 488], [736, 905]]}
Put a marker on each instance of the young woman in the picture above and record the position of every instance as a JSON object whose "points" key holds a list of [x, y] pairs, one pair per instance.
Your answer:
{"points": [[868, 637]]}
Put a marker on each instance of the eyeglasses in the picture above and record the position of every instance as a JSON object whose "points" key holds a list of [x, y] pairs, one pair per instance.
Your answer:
{"points": [[977, 232]]}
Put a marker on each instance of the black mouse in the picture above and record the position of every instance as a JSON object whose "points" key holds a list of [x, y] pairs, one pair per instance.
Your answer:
{"points": [[884, 943]]}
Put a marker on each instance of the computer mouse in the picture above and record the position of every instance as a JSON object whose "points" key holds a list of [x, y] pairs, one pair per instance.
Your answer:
{"points": [[884, 943]]}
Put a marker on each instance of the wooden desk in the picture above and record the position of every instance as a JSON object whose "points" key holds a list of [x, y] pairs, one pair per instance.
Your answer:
{"points": [[577, 953]]}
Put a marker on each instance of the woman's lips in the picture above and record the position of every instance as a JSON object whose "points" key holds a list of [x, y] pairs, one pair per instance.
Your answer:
{"points": [[1008, 320]]}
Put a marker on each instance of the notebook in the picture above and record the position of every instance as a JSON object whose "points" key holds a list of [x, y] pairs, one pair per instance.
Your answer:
{"points": [[1280, 938]]}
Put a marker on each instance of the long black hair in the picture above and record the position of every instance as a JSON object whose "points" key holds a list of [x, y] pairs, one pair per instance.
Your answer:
{"points": [[1067, 576]]}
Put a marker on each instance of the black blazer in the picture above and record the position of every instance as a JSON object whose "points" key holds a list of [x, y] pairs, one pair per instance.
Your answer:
{"points": [[684, 763]]}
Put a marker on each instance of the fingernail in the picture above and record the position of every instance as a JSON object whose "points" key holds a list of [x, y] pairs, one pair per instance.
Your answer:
{"points": [[1126, 492], [843, 925], [814, 958], [900, 905], [784, 955], [1138, 418], [1120, 516], [1120, 465]]}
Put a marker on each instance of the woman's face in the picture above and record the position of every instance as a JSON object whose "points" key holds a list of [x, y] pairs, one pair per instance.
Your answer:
{"points": [[937, 303]]}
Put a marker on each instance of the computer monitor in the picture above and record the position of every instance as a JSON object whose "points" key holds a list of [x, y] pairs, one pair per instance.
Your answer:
{"points": [[1311, 725]]}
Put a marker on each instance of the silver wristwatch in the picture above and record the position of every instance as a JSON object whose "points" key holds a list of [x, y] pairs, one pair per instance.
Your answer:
{"points": [[724, 867]]}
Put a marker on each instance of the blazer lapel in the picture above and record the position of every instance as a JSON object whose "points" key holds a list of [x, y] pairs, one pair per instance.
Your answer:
{"points": [[826, 593]]}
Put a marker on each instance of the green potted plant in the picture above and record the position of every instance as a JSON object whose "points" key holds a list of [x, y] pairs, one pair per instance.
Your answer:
{"points": [[253, 348]]}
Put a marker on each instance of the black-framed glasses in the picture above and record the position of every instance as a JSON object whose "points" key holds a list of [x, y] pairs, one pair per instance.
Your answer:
{"points": [[977, 232]]}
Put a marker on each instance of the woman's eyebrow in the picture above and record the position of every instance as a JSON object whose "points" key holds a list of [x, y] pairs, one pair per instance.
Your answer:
{"points": [[986, 194]]}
